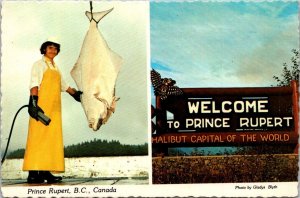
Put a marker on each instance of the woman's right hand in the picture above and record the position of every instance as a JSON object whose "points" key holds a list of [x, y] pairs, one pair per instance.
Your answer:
{"points": [[33, 108]]}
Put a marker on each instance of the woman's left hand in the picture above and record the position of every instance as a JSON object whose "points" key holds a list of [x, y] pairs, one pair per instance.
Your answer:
{"points": [[75, 94]]}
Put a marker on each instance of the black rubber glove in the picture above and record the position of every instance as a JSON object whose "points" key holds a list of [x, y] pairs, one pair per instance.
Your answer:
{"points": [[76, 95], [33, 108]]}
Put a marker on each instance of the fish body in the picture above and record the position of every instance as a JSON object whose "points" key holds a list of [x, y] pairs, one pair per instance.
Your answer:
{"points": [[95, 74]]}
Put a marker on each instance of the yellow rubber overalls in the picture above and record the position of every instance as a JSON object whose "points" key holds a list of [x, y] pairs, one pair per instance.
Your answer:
{"points": [[44, 149]]}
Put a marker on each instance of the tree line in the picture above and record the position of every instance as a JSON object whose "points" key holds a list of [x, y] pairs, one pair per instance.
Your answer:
{"points": [[95, 148], [239, 150]]}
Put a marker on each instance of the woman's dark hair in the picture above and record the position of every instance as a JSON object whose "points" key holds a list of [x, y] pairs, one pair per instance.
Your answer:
{"points": [[48, 43]]}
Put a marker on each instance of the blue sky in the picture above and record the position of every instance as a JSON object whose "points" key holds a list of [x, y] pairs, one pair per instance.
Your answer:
{"points": [[223, 44]]}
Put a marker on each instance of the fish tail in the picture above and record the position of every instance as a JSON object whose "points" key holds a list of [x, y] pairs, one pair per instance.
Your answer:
{"points": [[97, 16]]}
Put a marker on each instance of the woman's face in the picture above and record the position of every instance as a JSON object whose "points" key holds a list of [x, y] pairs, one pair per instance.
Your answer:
{"points": [[51, 51]]}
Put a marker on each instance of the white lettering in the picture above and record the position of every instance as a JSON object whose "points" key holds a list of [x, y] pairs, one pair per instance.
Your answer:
{"points": [[261, 106], [193, 108], [204, 107]]}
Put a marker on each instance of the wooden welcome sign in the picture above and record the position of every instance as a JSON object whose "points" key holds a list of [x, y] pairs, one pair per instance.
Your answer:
{"points": [[227, 116]]}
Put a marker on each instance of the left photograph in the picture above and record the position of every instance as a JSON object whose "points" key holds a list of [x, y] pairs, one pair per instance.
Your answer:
{"points": [[74, 89]]}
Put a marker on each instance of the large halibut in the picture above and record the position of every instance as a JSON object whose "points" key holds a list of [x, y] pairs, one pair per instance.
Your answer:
{"points": [[95, 74]]}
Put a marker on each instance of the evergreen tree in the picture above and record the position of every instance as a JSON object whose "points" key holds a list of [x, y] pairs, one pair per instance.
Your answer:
{"points": [[291, 72], [95, 148]]}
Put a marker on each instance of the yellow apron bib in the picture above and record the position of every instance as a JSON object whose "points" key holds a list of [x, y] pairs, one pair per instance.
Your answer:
{"points": [[44, 149]]}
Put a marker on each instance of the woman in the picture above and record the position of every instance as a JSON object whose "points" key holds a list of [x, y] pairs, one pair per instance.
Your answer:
{"points": [[44, 149]]}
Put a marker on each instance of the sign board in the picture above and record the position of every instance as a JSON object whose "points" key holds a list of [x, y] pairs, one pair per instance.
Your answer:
{"points": [[228, 116]]}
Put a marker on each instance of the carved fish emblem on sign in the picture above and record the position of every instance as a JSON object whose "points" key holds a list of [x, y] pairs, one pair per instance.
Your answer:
{"points": [[95, 74]]}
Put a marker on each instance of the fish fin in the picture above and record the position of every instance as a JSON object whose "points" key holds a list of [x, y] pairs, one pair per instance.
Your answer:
{"points": [[76, 75], [97, 16], [97, 95], [116, 60], [113, 104], [110, 111]]}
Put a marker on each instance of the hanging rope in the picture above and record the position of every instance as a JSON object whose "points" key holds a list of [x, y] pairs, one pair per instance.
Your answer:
{"points": [[91, 8]]}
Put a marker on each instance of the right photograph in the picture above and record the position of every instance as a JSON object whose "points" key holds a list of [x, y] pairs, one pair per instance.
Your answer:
{"points": [[224, 92]]}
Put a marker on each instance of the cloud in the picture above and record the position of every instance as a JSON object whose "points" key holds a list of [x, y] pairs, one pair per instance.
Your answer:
{"points": [[220, 44]]}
